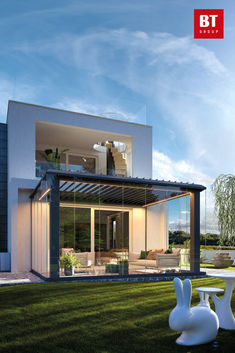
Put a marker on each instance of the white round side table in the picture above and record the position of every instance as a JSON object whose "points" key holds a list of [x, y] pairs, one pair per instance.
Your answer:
{"points": [[205, 292], [223, 306]]}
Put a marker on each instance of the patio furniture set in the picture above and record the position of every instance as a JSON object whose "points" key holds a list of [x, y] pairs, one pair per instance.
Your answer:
{"points": [[200, 324], [122, 262]]}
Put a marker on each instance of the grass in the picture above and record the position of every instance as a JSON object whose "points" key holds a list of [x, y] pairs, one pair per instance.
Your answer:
{"points": [[232, 268], [97, 318]]}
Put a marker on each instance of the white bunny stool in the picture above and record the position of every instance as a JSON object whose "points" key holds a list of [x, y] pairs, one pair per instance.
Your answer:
{"points": [[199, 324]]}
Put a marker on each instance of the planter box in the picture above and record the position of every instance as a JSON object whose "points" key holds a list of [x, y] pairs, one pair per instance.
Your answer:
{"points": [[111, 268], [123, 269], [185, 256]]}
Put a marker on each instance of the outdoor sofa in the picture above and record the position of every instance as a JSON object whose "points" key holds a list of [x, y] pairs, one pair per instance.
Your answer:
{"points": [[157, 259]]}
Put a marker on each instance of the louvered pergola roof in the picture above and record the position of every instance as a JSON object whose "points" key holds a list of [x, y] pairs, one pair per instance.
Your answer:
{"points": [[111, 190]]}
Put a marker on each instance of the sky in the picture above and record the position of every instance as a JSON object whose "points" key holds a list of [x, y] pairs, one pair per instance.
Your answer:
{"points": [[135, 58]]}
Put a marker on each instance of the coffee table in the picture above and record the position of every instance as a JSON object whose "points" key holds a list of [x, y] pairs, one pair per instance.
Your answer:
{"points": [[223, 306]]}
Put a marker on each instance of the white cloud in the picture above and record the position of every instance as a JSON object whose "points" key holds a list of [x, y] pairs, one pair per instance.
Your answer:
{"points": [[112, 111], [98, 50], [185, 212], [181, 170]]}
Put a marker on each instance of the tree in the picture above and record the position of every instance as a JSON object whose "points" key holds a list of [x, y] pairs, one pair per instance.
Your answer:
{"points": [[223, 190]]}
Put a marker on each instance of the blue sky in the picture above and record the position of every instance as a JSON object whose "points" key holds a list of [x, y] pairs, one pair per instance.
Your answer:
{"points": [[136, 58]]}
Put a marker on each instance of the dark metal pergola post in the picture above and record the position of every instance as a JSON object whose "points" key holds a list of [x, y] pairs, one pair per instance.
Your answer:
{"points": [[195, 232], [54, 226]]}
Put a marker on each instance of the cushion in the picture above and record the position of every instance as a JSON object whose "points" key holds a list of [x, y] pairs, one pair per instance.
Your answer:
{"points": [[175, 251], [65, 251], [143, 254], [152, 254], [133, 256], [108, 254]]}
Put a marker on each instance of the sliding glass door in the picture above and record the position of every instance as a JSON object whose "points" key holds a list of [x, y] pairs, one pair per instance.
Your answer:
{"points": [[75, 228], [111, 236], [95, 237]]}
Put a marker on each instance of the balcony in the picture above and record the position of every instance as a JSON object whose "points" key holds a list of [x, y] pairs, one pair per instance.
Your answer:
{"points": [[71, 148], [112, 162], [66, 162]]}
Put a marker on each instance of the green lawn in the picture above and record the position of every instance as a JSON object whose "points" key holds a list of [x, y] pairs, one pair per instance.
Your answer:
{"points": [[232, 268], [96, 318]]}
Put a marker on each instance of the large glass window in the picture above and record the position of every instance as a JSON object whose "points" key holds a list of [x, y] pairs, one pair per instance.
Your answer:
{"points": [[81, 164], [75, 228]]}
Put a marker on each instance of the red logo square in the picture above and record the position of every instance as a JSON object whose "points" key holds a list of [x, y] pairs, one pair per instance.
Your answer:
{"points": [[209, 23]]}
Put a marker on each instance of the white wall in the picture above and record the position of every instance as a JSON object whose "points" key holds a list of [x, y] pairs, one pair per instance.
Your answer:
{"points": [[157, 226], [138, 230], [21, 155], [40, 237], [24, 231], [14, 219]]}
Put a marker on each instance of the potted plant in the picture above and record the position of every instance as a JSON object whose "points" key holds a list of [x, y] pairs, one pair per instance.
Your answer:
{"points": [[123, 267], [68, 262], [169, 250], [222, 260], [112, 268], [53, 158]]}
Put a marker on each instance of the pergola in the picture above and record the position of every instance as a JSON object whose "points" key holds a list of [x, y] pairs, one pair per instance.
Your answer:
{"points": [[62, 186]]}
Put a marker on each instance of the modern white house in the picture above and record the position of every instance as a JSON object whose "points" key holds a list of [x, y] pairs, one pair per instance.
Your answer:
{"points": [[80, 184]]}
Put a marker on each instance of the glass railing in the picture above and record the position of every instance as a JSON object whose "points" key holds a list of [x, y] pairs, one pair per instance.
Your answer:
{"points": [[42, 167]]}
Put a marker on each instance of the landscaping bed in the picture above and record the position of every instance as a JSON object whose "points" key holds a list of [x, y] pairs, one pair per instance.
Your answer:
{"points": [[97, 318]]}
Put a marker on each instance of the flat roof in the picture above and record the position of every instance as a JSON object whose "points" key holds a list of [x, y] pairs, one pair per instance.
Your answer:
{"points": [[84, 114]]}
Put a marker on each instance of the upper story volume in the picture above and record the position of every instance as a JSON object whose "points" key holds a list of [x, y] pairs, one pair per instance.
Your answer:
{"points": [[41, 138]]}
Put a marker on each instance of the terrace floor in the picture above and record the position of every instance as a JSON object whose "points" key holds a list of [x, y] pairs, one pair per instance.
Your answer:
{"points": [[8, 278]]}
